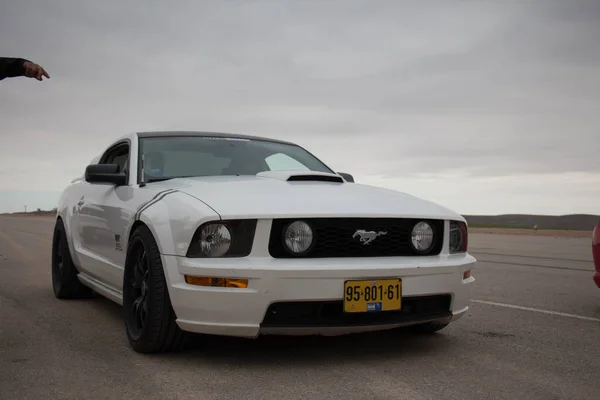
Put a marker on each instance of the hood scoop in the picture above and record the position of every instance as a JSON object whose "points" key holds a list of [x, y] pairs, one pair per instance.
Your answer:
{"points": [[301, 176], [314, 178]]}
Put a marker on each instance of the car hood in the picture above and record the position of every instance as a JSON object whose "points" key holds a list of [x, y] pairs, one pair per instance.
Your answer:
{"points": [[272, 195]]}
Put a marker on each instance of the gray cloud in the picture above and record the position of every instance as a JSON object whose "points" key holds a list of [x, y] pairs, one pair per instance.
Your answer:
{"points": [[488, 88]]}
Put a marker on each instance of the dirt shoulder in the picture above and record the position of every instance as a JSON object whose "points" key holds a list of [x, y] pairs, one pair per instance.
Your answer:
{"points": [[30, 214]]}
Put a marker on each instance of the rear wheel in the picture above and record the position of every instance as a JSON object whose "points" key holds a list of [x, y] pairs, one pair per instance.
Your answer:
{"points": [[149, 316], [65, 283]]}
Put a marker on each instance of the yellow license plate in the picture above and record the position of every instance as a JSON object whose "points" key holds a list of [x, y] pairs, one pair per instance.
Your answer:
{"points": [[373, 295]]}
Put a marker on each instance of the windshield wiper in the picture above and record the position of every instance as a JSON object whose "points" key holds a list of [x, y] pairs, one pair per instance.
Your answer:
{"points": [[152, 180], [166, 178]]}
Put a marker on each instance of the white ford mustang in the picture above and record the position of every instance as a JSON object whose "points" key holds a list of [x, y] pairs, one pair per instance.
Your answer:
{"points": [[242, 236]]}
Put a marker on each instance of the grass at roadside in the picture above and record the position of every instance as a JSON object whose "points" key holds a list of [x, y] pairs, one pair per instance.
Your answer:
{"points": [[526, 230], [498, 226]]}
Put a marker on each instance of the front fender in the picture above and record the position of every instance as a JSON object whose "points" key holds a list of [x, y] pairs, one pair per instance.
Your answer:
{"points": [[64, 211], [174, 220]]}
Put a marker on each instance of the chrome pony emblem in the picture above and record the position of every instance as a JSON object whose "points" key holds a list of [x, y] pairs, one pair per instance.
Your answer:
{"points": [[367, 237]]}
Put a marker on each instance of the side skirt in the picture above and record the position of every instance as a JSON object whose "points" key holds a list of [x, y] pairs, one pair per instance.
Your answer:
{"points": [[101, 288]]}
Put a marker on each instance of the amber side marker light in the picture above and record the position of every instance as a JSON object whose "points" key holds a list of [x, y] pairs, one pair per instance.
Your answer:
{"points": [[467, 274], [216, 282]]}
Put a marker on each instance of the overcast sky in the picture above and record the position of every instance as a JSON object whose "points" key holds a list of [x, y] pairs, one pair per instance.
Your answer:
{"points": [[484, 106]]}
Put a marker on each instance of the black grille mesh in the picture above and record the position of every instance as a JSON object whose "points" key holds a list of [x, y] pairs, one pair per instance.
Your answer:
{"points": [[334, 237]]}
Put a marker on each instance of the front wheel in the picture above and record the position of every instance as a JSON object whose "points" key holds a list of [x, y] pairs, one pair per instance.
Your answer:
{"points": [[149, 316]]}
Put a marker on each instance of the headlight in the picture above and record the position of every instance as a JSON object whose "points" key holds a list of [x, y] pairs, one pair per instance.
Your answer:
{"points": [[229, 238], [215, 240], [458, 237], [298, 237], [422, 237]]}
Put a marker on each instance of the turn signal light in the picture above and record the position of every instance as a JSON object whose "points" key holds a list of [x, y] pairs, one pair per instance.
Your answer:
{"points": [[467, 274], [216, 282]]}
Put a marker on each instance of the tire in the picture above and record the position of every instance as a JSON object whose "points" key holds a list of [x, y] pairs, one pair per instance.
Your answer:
{"points": [[429, 327], [65, 283], [149, 316]]}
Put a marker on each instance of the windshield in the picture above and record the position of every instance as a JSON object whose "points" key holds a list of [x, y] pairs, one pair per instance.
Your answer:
{"points": [[187, 156]]}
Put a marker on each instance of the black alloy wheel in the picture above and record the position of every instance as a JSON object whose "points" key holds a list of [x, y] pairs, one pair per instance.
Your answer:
{"points": [[150, 321], [138, 313]]}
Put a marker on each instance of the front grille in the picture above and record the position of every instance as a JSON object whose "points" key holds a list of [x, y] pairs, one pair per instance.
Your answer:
{"points": [[334, 237], [308, 314]]}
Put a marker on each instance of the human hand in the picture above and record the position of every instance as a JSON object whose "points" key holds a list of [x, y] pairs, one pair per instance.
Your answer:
{"points": [[33, 70]]}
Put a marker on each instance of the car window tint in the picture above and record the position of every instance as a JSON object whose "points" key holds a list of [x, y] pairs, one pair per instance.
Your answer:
{"points": [[121, 160], [281, 162], [119, 156], [183, 163], [204, 156]]}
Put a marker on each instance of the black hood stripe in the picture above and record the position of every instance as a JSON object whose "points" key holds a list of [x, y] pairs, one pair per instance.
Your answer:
{"points": [[157, 197]]}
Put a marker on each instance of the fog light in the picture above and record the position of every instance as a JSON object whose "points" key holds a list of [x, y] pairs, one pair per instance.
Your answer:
{"points": [[422, 237], [216, 282], [298, 237]]}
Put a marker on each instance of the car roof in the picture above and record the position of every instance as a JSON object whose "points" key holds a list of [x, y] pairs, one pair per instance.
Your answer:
{"points": [[151, 134]]}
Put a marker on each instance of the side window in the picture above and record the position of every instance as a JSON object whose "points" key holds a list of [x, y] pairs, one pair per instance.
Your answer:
{"points": [[117, 155], [281, 162], [120, 159]]}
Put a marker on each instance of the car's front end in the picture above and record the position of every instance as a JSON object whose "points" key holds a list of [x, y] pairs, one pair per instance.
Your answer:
{"points": [[280, 244], [323, 275]]}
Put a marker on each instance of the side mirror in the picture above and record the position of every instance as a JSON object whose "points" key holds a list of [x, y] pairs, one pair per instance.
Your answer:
{"points": [[105, 173], [347, 177]]}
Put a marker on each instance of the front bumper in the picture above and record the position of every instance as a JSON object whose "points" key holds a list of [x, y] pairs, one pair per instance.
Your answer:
{"points": [[301, 297]]}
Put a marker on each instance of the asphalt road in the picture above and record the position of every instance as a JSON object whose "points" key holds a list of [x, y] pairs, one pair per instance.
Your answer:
{"points": [[533, 332]]}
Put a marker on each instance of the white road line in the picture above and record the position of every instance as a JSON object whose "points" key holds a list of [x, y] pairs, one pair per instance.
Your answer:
{"points": [[492, 303]]}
